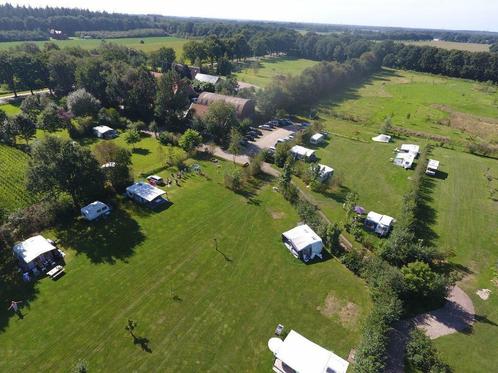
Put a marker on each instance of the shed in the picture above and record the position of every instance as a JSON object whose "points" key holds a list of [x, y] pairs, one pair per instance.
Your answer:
{"points": [[146, 194], [104, 132], [382, 138], [317, 138], [304, 356], [243, 107], [34, 251], [300, 152], [205, 78], [303, 242], [95, 210], [380, 224]]}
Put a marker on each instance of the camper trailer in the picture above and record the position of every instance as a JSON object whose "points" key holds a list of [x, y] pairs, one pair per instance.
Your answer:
{"points": [[95, 210], [380, 224], [146, 194], [432, 167], [303, 243]]}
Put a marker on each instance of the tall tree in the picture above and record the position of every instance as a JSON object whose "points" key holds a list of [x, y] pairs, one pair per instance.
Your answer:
{"points": [[25, 127], [162, 58], [171, 99]]}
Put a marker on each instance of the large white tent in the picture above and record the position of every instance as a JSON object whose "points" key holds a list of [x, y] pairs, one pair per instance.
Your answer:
{"points": [[404, 160], [325, 172], [144, 192], [301, 152], [303, 242], [410, 148], [382, 138], [32, 248], [304, 356]]}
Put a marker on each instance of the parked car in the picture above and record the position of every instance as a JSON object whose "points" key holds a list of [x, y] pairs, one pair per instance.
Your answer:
{"points": [[243, 142], [305, 124], [254, 129], [249, 138], [265, 127], [253, 133], [285, 122], [155, 180], [273, 123]]}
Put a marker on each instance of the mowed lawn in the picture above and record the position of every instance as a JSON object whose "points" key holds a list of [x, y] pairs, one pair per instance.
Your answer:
{"points": [[149, 44], [269, 68], [13, 166], [466, 222], [10, 109], [197, 308], [419, 102]]}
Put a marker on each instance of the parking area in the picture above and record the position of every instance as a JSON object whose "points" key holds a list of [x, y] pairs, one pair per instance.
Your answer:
{"points": [[269, 138]]}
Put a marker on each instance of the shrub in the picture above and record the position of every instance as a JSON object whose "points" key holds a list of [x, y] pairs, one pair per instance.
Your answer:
{"points": [[80, 127], [81, 103], [421, 354], [168, 138], [233, 179], [422, 283]]}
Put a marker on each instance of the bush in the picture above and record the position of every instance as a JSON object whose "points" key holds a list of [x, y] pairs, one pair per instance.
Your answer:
{"points": [[421, 354], [81, 103], [168, 138], [254, 168], [111, 117], [233, 179], [424, 284], [80, 127]]}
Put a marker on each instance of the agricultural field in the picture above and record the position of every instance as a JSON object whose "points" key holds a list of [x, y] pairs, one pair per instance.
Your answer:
{"points": [[470, 47], [13, 166], [461, 204], [149, 44], [269, 68], [200, 304], [455, 108]]}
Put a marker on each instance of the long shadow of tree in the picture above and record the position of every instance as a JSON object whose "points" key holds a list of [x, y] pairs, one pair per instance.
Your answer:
{"points": [[425, 214], [143, 342], [103, 241], [17, 290]]}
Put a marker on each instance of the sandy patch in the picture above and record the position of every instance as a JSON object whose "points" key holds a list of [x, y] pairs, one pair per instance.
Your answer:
{"points": [[276, 215], [483, 293], [347, 313], [476, 125]]}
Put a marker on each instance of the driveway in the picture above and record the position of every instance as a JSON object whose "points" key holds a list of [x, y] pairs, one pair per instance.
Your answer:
{"points": [[269, 139]]}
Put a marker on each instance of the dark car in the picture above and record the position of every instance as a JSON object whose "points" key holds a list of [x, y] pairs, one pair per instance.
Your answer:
{"points": [[243, 142], [249, 138], [254, 129], [285, 122], [253, 133]]}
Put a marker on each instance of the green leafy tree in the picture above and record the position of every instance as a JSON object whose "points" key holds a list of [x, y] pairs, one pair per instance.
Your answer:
{"points": [[60, 166], [171, 99], [132, 137], [61, 69], [25, 127], [90, 74], [234, 146], [53, 118], [423, 283], [117, 164], [219, 120], [162, 59], [422, 355], [190, 140], [282, 153], [81, 103]]}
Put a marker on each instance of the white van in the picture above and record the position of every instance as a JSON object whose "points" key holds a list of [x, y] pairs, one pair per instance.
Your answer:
{"points": [[95, 210]]}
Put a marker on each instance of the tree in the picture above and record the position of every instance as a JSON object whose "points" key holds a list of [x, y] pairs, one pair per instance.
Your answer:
{"points": [[171, 99], [224, 66], [91, 74], [7, 72], [227, 87], [162, 59], [282, 153], [25, 127], [60, 166], [8, 130], [219, 120], [81, 103], [61, 68], [32, 106], [387, 126], [422, 355], [194, 50], [132, 137], [234, 147], [53, 118], [423, 283], [190, 140], [116, 162], [349, 205]]}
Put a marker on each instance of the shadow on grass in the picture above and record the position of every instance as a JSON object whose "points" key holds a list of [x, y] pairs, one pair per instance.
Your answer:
{"points": [[103, 241], [18, 291], [326, 256], [425, 214], [140, 151], [252, 187], [338, 195]]}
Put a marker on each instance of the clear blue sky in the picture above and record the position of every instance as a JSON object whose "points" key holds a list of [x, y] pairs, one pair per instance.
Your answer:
{"points": [[444, 14]]}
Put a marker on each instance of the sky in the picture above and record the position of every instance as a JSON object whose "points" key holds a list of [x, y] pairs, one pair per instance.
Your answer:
{"points": [[440, 14]]}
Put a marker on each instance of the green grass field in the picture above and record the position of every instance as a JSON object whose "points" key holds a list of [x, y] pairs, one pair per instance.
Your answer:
{"points": [[199, 309], [470, 47], [11, 109], [149, 43], [272, 67]]}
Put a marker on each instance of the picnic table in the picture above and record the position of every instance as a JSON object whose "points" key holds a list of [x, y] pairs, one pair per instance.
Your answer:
{"points": [[55, 272]]}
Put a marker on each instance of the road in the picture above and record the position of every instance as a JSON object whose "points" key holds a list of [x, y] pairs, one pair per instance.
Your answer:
{"points": [[10, 97]]}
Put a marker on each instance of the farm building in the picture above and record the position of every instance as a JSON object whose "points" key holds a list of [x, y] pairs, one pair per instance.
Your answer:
{"points": [[243, 107], [146, 194], [303, 242], [382, 138], [105, 132], [36, 254], [300, 152], [205, 78], [325, 172], [432, 167], [95, 210], [298, 354], [317, 139], [380, 224]]}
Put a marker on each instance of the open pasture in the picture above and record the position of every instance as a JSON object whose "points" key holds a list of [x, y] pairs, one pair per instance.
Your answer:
{"points": [[470, 47]]}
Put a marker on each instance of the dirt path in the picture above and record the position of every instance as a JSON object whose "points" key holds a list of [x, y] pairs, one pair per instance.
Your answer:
{"points": [[457, 315]]}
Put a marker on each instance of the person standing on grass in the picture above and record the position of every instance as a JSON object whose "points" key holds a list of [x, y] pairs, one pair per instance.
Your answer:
{"points": [[14, 306]]}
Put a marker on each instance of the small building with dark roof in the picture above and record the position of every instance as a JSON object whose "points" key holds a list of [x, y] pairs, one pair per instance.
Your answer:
{"points": [[243, 107]]}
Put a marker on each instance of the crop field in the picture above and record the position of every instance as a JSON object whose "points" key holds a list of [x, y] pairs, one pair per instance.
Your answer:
{"points": [[206, 280], [269, 68], [461, 204], [149, 44], [470, 47], [13, 165]]}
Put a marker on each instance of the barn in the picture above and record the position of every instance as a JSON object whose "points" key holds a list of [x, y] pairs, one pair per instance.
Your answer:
{"points": [[243, 107]]}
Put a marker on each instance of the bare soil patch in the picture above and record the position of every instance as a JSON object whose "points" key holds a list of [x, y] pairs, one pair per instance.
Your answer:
{"points": [[347, 312], [277, 215]]}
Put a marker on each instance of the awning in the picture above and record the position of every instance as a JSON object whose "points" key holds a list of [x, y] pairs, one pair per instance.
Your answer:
{"points": [[32, 248]]}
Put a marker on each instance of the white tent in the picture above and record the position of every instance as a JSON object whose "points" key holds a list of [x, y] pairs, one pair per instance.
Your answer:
{"points": [[144, 192], [317, 138], [205, 78], [301, 152], [404, 160], [325, 172], [95, 210], [303, 242], [432, 167], [380, 224], [410, 149], [104, 132], [304, 356], [382, 138], [32, 248]]}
